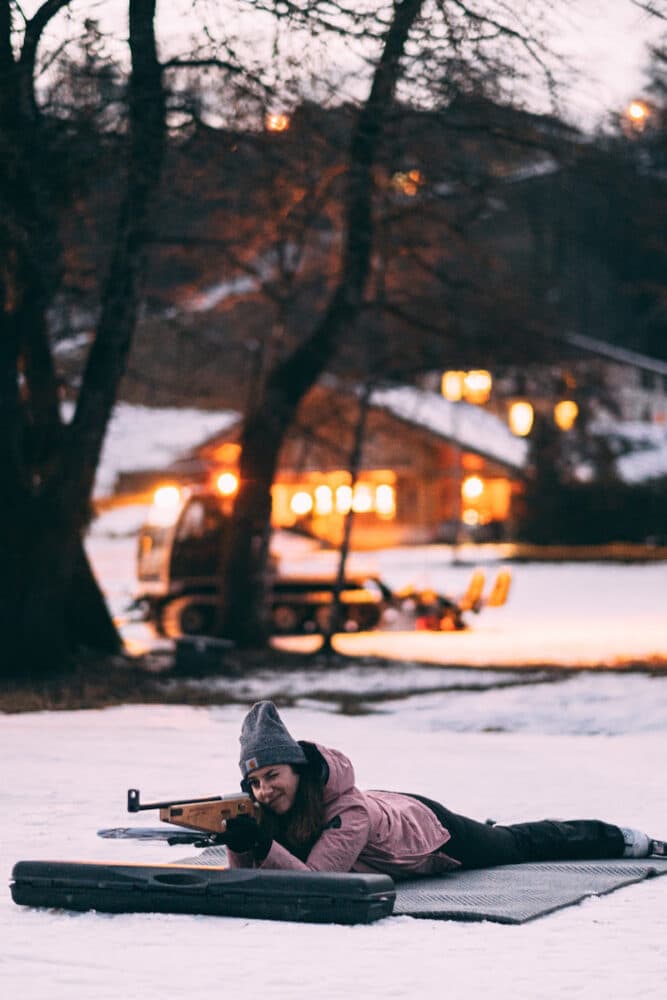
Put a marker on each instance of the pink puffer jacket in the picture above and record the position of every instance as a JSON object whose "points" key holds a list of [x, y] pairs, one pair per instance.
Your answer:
{"points": [[365, 832]]}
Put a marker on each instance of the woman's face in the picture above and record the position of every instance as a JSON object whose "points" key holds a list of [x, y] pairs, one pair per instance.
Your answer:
{"points": [[274, 787]]}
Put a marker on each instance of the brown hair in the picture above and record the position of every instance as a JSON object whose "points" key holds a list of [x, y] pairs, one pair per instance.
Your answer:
{"points": [[298, 829]]}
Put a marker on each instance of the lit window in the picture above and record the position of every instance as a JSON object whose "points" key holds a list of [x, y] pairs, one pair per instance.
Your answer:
{"points": [[477, 386], [521, 418], [565, 414], [472, 488], [474, 386], [363, 499], [227, 484], [301, 503], [343, 499], [385, 500], [227, 453], [452, 386], [323, 500]]}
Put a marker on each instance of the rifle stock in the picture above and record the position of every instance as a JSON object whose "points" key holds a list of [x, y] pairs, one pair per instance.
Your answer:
{"points": [[209, 814]]}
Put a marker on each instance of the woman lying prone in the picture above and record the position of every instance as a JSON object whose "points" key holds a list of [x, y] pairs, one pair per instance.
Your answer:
{"points": [[314, 818]]}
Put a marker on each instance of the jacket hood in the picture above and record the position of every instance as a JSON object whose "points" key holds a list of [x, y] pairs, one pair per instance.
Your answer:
{"points": [[341, 773]]}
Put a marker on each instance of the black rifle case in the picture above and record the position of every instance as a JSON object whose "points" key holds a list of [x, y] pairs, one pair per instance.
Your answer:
{"points": [[316, 897]]}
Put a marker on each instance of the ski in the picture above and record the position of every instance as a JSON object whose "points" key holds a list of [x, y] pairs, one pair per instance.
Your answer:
{"points": [[196, 837]]}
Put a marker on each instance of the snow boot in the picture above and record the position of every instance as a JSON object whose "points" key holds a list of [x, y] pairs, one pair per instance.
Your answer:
{"points": [[637, 844], [657, 849]]}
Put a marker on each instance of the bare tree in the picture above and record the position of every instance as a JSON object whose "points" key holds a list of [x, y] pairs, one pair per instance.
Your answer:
{"points": [[423, 50], [265, 426], [50, 605]]}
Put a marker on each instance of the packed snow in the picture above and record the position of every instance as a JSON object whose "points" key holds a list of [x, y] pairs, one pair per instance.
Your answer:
{"points": [[569, 614], [69, 773], [480, 720]]}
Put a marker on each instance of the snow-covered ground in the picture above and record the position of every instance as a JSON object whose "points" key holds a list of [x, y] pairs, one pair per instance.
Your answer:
{"points": [[506, 743], [512, 745], [66, 774], [564, 613]]}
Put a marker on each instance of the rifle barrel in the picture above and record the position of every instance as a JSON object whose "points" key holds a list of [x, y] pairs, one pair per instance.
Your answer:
{"points": [[134, 803]]}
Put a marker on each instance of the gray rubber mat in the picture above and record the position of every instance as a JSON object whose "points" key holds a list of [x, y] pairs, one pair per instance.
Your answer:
{"points": [[209, 856], [513, 894]]}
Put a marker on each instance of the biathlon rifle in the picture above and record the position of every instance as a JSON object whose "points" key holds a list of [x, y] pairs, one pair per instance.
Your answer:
{"points": [[204, 818]]}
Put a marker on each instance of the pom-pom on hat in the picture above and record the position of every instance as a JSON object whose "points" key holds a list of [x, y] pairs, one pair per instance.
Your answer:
{"points": [[264, 740]]}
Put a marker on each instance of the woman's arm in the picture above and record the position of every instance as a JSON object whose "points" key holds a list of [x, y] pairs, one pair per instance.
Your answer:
{"points": [[336, 849]]}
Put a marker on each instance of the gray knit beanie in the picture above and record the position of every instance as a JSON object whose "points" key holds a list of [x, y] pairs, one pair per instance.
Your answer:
{"points": [[264, 740]]}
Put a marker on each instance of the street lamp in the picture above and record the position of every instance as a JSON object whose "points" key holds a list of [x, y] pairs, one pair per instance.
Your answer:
{"points": [[636, 116], [277, 123]]}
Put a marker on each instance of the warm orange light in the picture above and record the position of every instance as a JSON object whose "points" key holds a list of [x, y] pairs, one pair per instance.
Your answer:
{"points": [[166, 506], [470, 516], [451, 386], [277, 123], [385, 500], [323, 500], [362, 500], [473, 386], [637, 111], [521, 415], [167, 496], [227, 484], [472, 488], [565, 414], [343, 499], [227, 453], [301, 503], [408, 183], [477, 386]]}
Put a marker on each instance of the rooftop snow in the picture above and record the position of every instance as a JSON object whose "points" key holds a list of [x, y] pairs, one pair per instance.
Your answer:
{"points": [[470, 426], [640, 466], [142, 437], [644, 446]]}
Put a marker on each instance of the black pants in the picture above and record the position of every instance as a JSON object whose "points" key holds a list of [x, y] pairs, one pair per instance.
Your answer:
{"points": [[480, 845]]}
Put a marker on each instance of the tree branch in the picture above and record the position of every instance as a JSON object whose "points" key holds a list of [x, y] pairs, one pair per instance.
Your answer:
{"points": [[33, 31]]}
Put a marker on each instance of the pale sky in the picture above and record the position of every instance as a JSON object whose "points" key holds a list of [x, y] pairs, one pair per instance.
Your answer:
{"points": [[604, 41]]}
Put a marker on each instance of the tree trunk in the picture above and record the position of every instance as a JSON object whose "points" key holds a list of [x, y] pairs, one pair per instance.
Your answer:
{"points": [[50, 604], [244, 573], [355, 466]]}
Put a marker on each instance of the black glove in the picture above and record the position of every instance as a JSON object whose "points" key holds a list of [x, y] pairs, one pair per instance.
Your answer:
{"points": [[243, 833]]}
